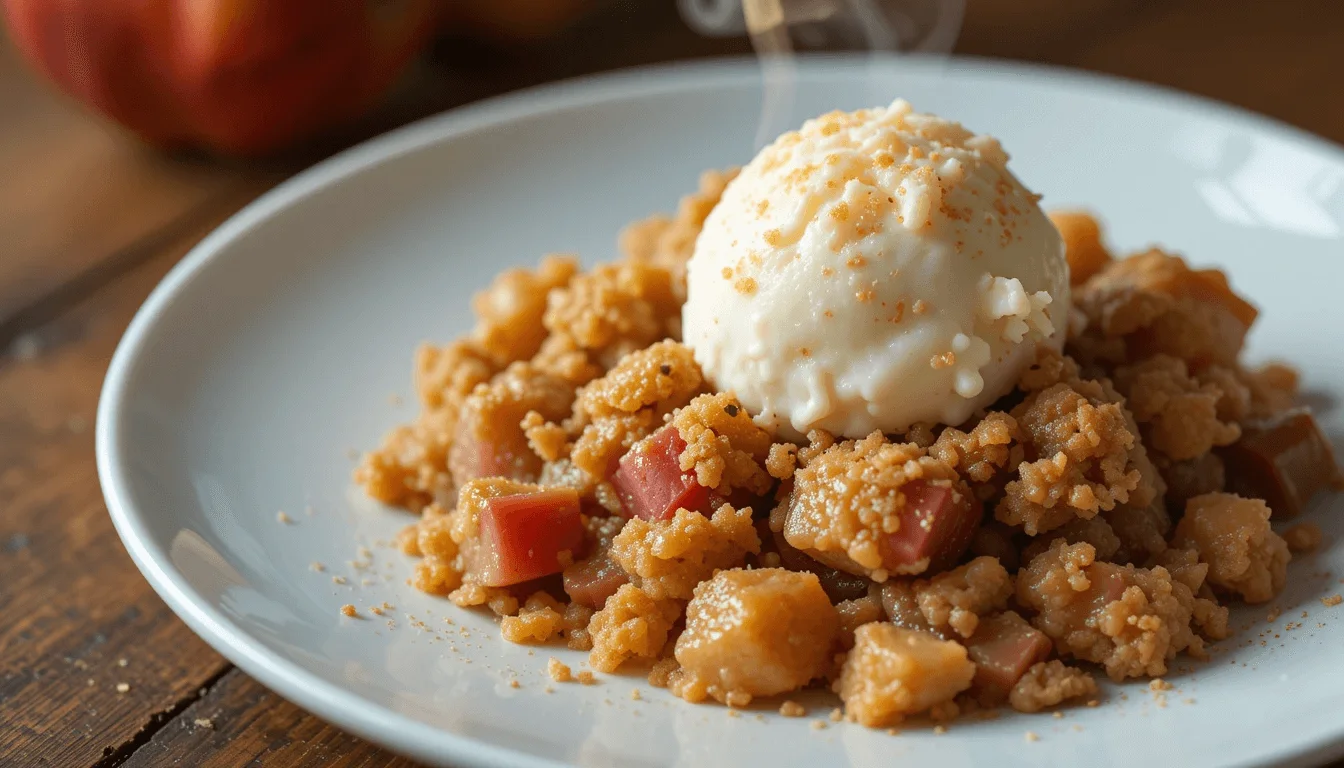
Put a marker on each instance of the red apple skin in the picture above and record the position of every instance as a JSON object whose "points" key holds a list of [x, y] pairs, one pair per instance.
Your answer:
{"points": [[244, 77]]}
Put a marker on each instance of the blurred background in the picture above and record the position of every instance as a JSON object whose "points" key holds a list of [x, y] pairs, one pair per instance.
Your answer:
{"points": [[130, 128]]}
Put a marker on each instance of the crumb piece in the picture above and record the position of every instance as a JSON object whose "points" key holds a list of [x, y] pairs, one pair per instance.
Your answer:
{"points": [[205, 722], [660, 674], [818, 725], [893, 672], [635, 695], [940, 729], [730, 649], [548, 689], [586, 678], [376, 611], [1057, 715], [338, 580], [123, 687], [1274, 613], [1032, 737], [1332, 601], [733, 712], [789, 708], [1048, 683], [1158, 684], [1233, 536], [349, 610], [837, 715], [1092, 702], [514, 683], [122, 662], [558, 670], [317, 567], [283, 519]]}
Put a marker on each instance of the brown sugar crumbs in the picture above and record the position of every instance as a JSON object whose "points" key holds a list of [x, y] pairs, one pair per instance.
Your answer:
{"points": [[1099, 519]]}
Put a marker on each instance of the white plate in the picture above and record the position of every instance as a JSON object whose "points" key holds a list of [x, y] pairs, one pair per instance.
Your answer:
{"points": [[272, 350]]}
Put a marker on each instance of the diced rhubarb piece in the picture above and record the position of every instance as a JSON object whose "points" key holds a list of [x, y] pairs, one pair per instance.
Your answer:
{"points": [[651, 483], [1003, 648], [1285, 461], [937, 522], [592, 581], [837, 584], [523, 535], [475, 458]]}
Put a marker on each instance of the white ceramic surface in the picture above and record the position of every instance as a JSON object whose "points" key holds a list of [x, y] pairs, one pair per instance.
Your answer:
{"points": [[272, 351]]}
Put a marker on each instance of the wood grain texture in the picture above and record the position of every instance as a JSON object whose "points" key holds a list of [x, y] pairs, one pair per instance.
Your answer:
{"points": [[89, 220], [79, 619], [241, 723]]}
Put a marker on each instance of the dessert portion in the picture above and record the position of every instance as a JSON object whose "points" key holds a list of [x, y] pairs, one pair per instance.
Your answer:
{"points": [[718, 461], [871, 271]]}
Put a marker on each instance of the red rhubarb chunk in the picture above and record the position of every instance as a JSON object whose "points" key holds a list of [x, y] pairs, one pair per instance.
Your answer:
{"points": [[937, 522], [1003, 648], [523, 536], [592, 581], [1285, 461], [651, 483]]}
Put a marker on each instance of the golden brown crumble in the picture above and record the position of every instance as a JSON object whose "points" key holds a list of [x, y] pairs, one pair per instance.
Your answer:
{"points": [[615, 309], [1178, 414], [894, 672], [489, 440], [724, 447], [1154, 303], [1078, 462], [1130, 620], [848, 499], [567, 370], [667, 559], [1233, 536], [631, 625], [754, 633], [628, 403], [1048, 683], [539, 619], [981, 453], [509, 312], [956, 599], [558, 670]]}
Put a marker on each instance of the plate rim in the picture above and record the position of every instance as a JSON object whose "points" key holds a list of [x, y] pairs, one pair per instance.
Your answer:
{"points": [[336, 704]]}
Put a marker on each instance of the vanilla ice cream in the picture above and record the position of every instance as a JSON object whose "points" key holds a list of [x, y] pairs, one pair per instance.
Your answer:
{"points": [[873, 270]]}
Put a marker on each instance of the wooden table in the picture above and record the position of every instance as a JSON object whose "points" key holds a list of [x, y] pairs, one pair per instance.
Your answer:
{"points": [[94, 669]]}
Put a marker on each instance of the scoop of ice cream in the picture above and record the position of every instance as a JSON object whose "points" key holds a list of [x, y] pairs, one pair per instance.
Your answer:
{"points": [[872, 270]]}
